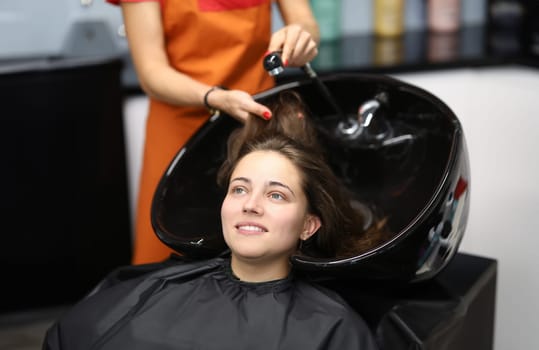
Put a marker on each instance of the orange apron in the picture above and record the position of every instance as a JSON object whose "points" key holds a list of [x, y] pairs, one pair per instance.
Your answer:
{"points": [[217, 42]]}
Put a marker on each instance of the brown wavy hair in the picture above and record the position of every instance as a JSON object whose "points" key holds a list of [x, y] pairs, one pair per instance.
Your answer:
{"points": [[290, 133]]}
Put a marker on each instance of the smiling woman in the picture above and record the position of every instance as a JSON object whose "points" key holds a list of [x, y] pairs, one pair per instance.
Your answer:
{"points": [[280, 193], [264, 215]]}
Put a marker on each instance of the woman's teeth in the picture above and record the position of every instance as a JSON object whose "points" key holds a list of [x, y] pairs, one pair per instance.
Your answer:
{"points": [[251, 228]]}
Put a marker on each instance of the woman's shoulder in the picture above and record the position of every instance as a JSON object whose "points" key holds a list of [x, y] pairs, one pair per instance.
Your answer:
{"points": [[315, 293], [323, 303], [121, 294], [347, 328], [173, 266]]}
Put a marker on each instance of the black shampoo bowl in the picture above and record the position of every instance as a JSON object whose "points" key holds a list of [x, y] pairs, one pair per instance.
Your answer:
{"points": [[411, 165]]}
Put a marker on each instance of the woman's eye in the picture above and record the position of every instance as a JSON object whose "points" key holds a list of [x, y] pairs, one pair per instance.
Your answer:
{"points": [[276, 196], [238, 190]]}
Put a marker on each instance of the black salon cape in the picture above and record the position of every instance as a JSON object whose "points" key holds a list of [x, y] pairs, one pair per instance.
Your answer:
{"points": [[201, 305]]}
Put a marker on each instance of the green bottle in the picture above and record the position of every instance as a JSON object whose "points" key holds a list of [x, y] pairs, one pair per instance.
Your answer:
{"points": [[328, 16]]}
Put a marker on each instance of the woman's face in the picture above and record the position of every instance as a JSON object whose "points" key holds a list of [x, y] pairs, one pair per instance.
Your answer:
{"points": [[264, 213]]}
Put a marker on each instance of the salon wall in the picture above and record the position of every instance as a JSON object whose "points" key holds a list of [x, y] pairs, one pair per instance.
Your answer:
{"points": [[59, 29]]}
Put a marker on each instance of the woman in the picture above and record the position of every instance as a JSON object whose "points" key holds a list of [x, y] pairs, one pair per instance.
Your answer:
{"points": [[278, 191], [185, 52]]}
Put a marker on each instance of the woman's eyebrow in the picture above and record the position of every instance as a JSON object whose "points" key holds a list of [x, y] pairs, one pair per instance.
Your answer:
{"points": [[270, 183], [280, 184], [240, 178]]}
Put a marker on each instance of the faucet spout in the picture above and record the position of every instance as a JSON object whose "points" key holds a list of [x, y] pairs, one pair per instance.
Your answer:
{"points": [[366, 112], [372, 119]]}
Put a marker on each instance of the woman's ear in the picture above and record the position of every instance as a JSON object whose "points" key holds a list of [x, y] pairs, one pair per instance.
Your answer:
{"points": [[311, 225]]}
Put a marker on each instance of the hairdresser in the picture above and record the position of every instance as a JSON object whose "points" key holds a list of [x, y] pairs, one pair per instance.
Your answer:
{"points": [[196, 56]]}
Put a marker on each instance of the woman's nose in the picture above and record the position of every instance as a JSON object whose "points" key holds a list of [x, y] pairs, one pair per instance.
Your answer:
{"points": [[252, 205]]}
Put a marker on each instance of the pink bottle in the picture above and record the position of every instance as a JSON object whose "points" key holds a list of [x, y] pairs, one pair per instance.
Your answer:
{"points": [[443, 15]]}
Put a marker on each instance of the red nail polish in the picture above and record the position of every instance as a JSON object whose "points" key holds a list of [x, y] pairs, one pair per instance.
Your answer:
{"points": [[267, 53], [285, 63], [266, 115]]}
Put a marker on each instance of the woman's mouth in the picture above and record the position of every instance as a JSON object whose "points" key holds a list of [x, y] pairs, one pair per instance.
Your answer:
{"points": [[250, 229]]}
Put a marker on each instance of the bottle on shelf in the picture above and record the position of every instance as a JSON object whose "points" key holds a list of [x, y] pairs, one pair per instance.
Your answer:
{"points": [[388, 18], [328, 16], [443, 15]]}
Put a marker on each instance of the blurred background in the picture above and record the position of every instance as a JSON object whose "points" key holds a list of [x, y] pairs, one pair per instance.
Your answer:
{"points": [[72, 129]]}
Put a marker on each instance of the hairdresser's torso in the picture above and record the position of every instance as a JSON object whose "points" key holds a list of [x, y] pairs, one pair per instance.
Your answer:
{"points": [[219, 42]]}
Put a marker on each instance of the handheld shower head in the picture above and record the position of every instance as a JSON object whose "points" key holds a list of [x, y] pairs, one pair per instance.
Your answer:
{"points": [[273, 63]]}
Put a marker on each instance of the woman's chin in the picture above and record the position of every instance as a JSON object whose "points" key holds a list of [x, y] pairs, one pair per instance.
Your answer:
{"points": [[248, 254]]}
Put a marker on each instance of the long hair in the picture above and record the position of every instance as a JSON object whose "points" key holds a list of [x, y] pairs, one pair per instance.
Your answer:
{"points": [[290, 133]]}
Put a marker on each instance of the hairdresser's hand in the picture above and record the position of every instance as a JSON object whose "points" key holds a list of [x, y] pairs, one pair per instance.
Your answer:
{"points": [[237, 104], [296, 44]]}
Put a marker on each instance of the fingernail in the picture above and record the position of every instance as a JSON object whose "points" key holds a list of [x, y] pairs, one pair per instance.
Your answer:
{"points": [[267, 53], [266, 115], [285, 63]]}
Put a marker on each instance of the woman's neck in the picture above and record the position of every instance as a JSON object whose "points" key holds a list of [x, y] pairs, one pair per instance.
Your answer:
{"points": [[259, 271]]}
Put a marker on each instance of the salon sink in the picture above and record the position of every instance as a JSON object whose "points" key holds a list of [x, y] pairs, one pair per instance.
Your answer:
{"points": [[413, 170]]}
